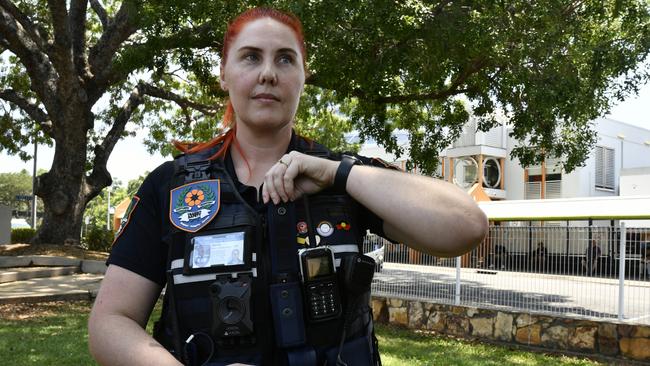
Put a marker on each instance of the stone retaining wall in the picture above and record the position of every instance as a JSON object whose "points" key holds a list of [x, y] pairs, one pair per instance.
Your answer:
{"points": [[588, 337]]}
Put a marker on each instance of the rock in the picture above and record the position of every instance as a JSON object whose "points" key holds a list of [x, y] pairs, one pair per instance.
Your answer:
{"points": [[471, 312], [636, 348], [398, 316], [395, 303], [458, 326], [555, 337], [607, 339], [529, 335], [482, 327], [607, 330], [524, 320], [583, 338], [625, 330], [641, 332], [503, 327], [435, 321], [415, 315], [379, 309]]}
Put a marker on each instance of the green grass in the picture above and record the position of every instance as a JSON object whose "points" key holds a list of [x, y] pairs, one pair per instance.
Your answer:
{"points": [[55, 334], [404, 347]]}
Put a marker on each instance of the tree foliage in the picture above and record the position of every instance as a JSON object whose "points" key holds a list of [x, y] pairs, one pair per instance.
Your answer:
{"points": [[17, 184], [85, 74]]}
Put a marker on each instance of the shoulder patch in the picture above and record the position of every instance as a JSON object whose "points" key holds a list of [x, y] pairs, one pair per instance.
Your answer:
{"points": [[194, 205], [127, 217]]}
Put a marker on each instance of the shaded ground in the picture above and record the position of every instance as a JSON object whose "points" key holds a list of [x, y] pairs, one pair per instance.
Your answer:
{"points": [[50, 249]]}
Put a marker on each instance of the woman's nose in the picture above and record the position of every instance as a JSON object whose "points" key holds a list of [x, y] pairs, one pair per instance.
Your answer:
{"points": [[268, 74]]}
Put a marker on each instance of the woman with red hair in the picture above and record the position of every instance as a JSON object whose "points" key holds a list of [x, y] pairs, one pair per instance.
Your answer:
{"points": [[256, 189]]}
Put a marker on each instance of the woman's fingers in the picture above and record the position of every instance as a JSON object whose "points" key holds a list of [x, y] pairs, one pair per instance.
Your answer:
{"points": [[274, 188], [296, 174]]}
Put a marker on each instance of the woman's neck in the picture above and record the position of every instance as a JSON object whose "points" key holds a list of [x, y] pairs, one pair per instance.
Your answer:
{"points": [[260, 151]]}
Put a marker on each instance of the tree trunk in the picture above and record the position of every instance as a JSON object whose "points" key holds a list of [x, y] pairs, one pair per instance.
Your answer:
{"points": [[64, 189]]}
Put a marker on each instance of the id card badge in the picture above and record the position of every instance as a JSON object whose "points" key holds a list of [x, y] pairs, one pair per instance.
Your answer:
{"points": [[218, 253]]}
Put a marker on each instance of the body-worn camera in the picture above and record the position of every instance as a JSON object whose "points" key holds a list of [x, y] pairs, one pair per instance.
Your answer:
{"points": [[231, 306], [321, 290]]}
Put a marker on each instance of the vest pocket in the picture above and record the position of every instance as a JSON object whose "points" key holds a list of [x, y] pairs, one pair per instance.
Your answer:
{"points": [[357, 352]]}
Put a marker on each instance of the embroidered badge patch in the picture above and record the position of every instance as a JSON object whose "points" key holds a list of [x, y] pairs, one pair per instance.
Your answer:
{"points": [[194, 205], [127, 216]]}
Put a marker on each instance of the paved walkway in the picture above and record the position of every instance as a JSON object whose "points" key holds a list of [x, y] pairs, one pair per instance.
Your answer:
{"points": [[61, 286], [82, 286]]}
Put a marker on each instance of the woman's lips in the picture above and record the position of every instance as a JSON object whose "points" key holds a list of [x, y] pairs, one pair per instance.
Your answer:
{"points": [[265, 97]]}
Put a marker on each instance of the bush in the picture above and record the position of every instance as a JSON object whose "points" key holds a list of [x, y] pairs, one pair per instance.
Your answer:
{"points": [[99, 239], [23, 235]]}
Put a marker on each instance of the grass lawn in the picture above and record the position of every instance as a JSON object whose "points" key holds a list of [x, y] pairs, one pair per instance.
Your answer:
{"points": [[55, 334]]}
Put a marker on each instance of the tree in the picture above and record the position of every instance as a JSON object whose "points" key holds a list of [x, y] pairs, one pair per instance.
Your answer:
{"points": [[17, 184], [422, 66]]}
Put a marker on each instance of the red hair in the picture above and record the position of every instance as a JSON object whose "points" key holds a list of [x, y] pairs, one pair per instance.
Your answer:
{"points": [[233, 30]]}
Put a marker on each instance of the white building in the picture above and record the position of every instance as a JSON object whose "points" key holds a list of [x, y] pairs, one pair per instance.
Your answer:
{"points": [[620, 147]]}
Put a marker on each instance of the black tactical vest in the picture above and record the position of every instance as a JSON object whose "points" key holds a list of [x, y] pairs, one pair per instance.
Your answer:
{"points": [[199, 322]]}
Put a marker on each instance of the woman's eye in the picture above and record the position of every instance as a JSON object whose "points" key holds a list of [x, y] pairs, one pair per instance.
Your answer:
{"points": [[251, 57], [286, 59]]}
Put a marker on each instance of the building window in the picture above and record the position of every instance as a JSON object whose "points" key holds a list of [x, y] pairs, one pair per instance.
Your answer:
{"points": [[552, 177], [604, 167]]}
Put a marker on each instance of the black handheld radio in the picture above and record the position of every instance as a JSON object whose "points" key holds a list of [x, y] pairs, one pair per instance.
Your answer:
{"points": [[318, 274]]}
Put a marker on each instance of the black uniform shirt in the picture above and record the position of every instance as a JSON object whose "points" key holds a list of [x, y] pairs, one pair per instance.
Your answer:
{"points": [[139, 245]]}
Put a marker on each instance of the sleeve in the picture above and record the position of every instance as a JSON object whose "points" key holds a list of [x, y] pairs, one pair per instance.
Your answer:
{"points": [[138, 245], [367, 218]]}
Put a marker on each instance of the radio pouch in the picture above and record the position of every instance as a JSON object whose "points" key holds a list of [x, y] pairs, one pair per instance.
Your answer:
{"points": [[286, 307], [285, 292]]}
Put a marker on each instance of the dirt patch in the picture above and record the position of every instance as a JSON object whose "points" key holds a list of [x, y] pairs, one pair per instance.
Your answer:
{"points": [[50, 249], [41, 310]]}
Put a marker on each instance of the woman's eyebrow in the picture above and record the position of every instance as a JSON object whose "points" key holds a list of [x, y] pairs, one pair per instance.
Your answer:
{"points": [[257, 49]]}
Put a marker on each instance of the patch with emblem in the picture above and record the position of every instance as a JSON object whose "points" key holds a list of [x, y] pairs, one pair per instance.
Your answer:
{"points": [[343, 226], [301, 227], [127, 216], [325, 228], [194, 205]]}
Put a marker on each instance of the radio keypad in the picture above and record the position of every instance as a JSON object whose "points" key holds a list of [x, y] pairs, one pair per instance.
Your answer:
{"points": [[323, 299]]}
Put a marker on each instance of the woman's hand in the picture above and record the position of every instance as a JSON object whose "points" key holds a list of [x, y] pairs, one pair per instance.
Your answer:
{"points": [[297, 174]]}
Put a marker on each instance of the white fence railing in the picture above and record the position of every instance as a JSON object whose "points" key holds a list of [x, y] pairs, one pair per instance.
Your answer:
{"points": [[580, 271]]}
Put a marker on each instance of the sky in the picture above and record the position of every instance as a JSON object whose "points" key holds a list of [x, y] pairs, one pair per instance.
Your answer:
{"points": [[130, 159]]}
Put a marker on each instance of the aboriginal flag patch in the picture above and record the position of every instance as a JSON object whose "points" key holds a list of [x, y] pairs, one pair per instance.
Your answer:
{"points": [[194, 205], [127, 216]]}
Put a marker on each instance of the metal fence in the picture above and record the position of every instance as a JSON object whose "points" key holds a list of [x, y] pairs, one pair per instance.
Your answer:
{"points": [[566, 268]]}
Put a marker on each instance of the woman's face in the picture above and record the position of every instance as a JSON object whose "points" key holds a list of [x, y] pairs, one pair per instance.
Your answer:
{"points": [[264, 75]]}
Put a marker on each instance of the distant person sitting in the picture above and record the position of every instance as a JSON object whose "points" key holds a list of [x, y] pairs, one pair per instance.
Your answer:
{"points": [[590, 262], [539, 256], [234, 258], [500, 258]]}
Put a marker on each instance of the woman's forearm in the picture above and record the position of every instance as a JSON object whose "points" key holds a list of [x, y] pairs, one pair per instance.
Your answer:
{"points": [[118, 340], [425, 213]]}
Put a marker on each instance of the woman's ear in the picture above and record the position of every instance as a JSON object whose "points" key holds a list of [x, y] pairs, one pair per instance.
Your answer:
{"points": [[222, 81]]}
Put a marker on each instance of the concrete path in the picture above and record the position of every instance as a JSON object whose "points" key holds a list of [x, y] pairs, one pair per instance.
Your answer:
{"points": [[43, 280]]}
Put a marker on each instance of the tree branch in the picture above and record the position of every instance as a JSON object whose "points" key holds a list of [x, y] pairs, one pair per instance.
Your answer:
{"points": [[100, 177], [36, 63], [101, 12], [199, 37], [182, 102], [29, 27], [78, 34], [119, 30], [31, 109], [62, 55]]}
